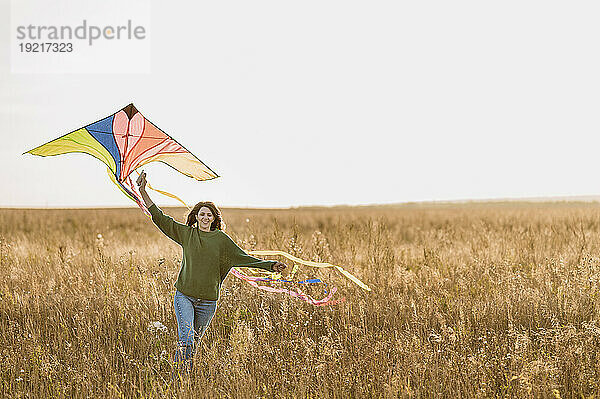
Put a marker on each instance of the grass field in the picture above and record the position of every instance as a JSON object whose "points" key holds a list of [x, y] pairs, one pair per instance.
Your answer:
{"points": [[474, 300]]}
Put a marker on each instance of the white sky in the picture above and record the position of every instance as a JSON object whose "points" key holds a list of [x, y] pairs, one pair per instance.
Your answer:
{"points": [[332, 102]]}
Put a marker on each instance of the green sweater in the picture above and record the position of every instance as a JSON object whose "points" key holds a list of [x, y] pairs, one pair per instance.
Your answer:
{"points": [[207, 256]]}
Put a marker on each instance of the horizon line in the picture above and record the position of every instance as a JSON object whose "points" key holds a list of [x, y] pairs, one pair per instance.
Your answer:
{"points": [[549, 199]]}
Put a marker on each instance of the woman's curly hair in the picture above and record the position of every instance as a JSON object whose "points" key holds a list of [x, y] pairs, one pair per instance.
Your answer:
{"points": [[217, 224]]}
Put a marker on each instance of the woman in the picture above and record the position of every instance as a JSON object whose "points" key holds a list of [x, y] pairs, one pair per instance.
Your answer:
{"points": [[208, 255]]}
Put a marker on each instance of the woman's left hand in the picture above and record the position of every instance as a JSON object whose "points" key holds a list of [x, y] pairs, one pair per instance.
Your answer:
{"points": [[278, 267], [141, 181]]}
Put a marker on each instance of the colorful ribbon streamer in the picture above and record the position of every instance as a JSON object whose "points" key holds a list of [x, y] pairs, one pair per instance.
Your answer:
{"points": [[167, 194], [312, 264], [297, 293]]}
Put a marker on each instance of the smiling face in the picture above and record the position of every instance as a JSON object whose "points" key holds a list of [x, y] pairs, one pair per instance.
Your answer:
{"points": [[205, 218]]}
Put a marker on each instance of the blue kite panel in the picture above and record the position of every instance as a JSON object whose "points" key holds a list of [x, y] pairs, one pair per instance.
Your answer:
{"points": [[103, 132]]}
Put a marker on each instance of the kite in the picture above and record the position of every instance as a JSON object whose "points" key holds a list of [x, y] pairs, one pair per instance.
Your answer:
{"points": [[126, 140]]}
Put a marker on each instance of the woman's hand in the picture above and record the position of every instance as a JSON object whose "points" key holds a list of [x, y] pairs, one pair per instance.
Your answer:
{"points": [[278, 267], [141, 181]]}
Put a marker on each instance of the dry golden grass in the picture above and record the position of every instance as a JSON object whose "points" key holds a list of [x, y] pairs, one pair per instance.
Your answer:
{"points": [[495, 300]]}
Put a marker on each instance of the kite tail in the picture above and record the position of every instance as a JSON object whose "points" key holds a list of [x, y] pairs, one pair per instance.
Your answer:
{"points": [[297, 293], [129, 192], [137, 196], [166, 193], [295, 259]]}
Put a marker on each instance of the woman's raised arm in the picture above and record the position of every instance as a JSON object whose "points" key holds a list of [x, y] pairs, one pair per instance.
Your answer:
{"points": [[141, 182], [174, 230]]}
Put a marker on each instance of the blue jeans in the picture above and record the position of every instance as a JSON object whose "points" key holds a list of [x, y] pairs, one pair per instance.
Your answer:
{"points": [[193, 317]]}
